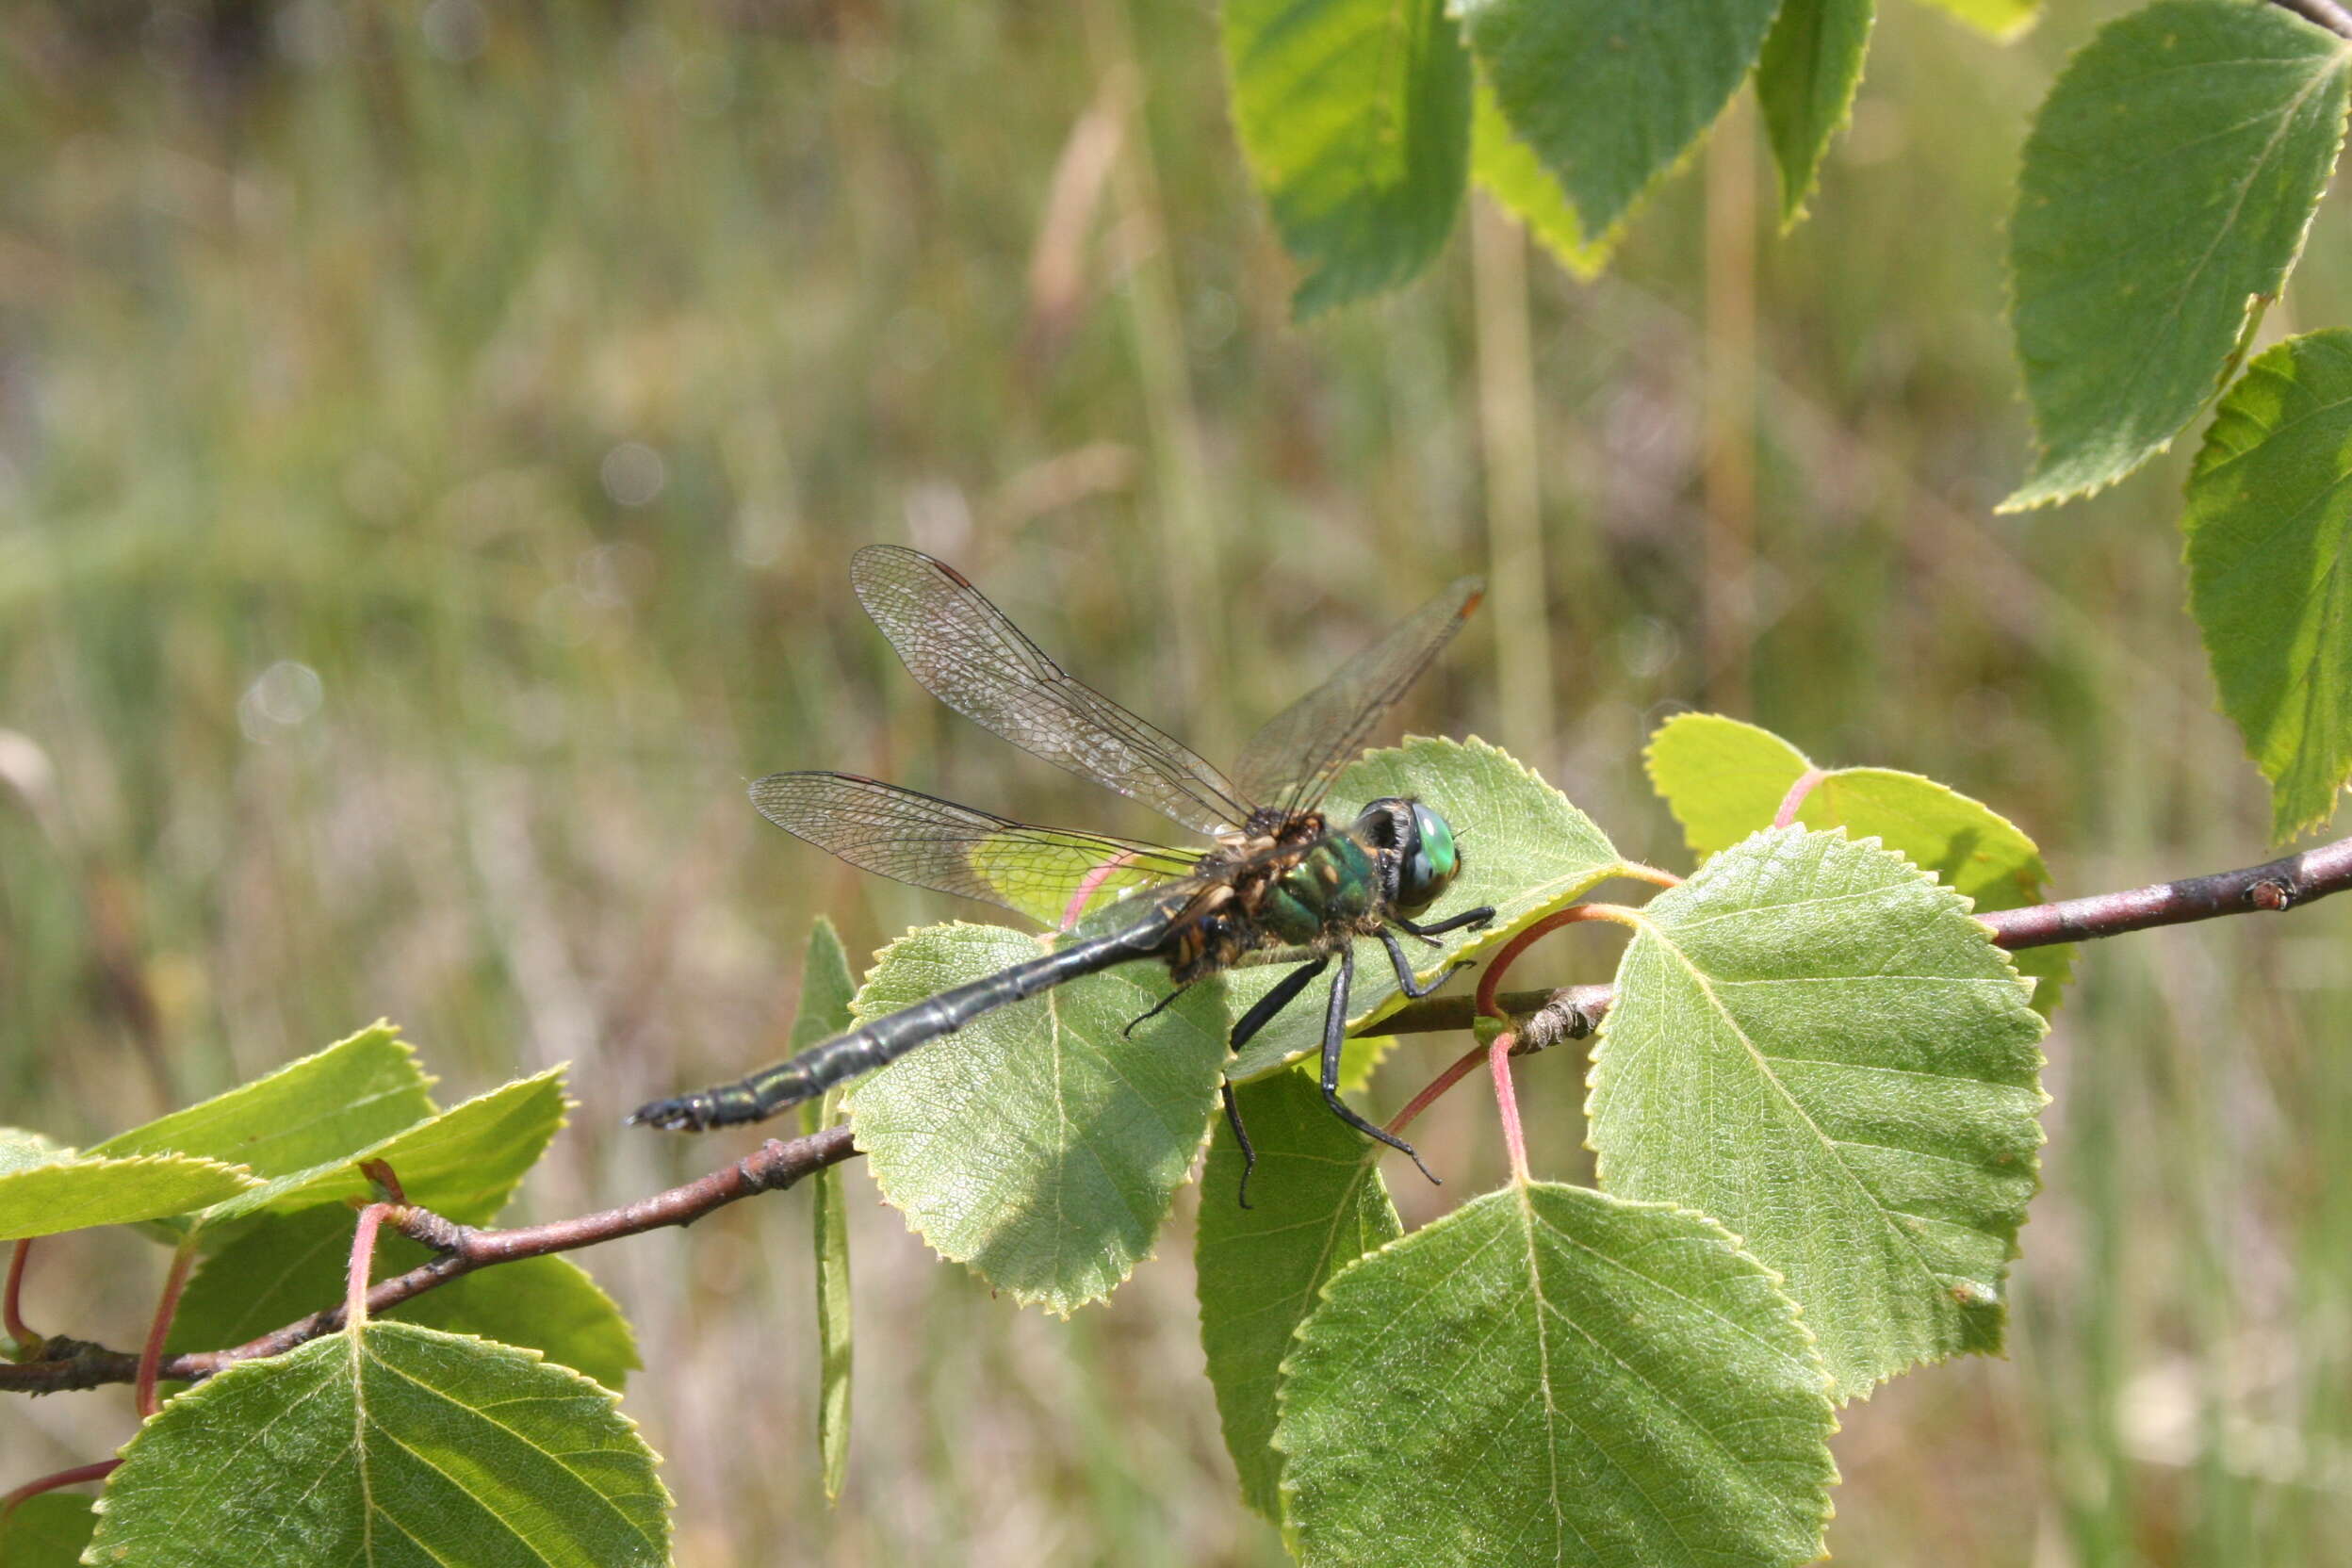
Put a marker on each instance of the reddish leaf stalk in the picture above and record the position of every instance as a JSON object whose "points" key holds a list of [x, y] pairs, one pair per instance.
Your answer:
{"points": [[1491, 980], [772, 1166], [1490, 1004], [167, 1307], [12, 1301], [362, 1262], [98, 1471], [1793, 802], [1506, 1105], [61, 1364], [1436, 1086]]}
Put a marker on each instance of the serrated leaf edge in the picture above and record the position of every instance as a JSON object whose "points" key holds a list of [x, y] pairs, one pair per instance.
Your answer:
{"points": [[1723, 1235], [669, 1499], [1045, 1300], [326, 1172], [129, 1163], [1492, 938], [1795, 204], [1965, 906], [2032, 494], [1658, 786]]}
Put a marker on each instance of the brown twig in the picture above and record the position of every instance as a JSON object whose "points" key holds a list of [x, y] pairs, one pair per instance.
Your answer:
{"points": [[2271, 888], [461, 1248], [60, 1364]]}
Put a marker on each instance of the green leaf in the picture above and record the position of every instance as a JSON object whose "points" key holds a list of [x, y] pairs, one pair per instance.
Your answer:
{"points": [[549, 1305], [1041, 1145], [307, 1113], [2166, 188], [1813, 1043], [1724, 779], [1507, 170], [1318, 1204], [827, 990], [1549, 1375], [462, 1163], [396, 1446], [1355, 117], [284, 1267], [1038, 1144], [1805, 84], [72, 1193], [2002, 20], [1526, 850], [288, 1265], [837, 1323], [1612, 92], [2269, 527], [48, 1530]]}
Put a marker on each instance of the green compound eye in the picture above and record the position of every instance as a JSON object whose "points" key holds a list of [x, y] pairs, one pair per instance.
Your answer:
{"points": [[1437, 842], [1429, 860]]}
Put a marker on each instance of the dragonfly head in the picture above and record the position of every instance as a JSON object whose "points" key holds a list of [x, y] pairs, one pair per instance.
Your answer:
{"points": [[1418, 853]]}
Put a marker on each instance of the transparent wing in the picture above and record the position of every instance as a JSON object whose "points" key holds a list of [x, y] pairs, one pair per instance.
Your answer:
{"points": [[1291, 760], [1047, 874], [969, 656]]}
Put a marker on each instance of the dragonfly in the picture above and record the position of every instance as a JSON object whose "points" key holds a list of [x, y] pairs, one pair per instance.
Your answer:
{"points": [[1277, 882]]}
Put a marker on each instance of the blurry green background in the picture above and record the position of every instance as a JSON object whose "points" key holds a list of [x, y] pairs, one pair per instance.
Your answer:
{"points": [[431, 437]]}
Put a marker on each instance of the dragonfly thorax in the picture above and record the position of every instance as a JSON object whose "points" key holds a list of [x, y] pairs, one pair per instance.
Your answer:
{"points": [[1299, 883], [1327, 893]]}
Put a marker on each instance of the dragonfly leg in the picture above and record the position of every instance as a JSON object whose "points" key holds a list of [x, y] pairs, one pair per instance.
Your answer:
{"points": [[1261, 1013], [1241, 1137], [1405, 982], [1334, 1037], [1285, 991], [1155, 1009], [1472, 918]]}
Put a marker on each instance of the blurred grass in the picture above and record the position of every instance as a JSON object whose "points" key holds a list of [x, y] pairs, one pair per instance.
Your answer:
{"points": [[430, 441]]}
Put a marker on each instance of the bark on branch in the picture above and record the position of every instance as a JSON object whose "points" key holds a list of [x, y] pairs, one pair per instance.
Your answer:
{"points": [[57, 1364]]}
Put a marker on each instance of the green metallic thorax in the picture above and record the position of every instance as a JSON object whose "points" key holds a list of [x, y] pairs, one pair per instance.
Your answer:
{"points": [[1330, 888]]}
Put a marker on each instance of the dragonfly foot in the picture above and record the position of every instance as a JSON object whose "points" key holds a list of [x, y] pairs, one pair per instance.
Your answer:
{"points": [[1241, 1135], [1475, 920], [1374, 1129], [1151, 1012], [1407, 1150]]}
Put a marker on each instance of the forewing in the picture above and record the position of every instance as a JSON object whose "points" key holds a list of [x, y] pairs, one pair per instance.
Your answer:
{"points": [[1293, 759], [1044, 872], [969, 656]]}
